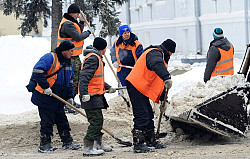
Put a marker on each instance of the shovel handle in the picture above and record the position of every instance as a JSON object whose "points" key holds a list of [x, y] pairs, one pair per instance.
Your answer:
{"points": [[85, 19], [71, 106], [125, 66], [159, 122], [106, 91]]}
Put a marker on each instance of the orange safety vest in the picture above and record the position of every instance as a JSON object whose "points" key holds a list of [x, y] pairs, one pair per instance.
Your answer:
{"points": [[125, 47], [54, 67], [78, 44], [146, 81], [96, 84], [225, 65]]}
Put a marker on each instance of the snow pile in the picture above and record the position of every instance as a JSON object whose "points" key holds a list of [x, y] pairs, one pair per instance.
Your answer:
{"points": [[181, 67], [195, 94]]}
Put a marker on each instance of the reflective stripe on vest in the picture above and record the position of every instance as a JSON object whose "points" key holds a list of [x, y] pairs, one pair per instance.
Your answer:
{"points": [[54, 67], [78, 44], [126, 47], [225, 65], [96, 84], [146, 81]]}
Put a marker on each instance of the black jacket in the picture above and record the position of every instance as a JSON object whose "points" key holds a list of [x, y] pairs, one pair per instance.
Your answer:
{"points": [[154, 61], [86, 74], [213, 55], [68, 30]]}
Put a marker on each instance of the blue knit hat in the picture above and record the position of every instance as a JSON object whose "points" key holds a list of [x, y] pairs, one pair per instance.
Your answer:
{"points": [[218, 33], [124, 28]]}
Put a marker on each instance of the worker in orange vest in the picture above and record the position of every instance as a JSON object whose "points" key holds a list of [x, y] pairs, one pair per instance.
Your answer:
{"points": [[57, 65], [219, 56], [125, 51], [72, 30], [91, 88], [147, 81]]}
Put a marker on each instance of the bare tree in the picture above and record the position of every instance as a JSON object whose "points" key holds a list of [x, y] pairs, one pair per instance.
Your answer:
{"points": [[56, 18]]}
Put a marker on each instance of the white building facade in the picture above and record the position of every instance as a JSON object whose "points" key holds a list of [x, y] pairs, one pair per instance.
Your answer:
{"points": [[188, 22]]}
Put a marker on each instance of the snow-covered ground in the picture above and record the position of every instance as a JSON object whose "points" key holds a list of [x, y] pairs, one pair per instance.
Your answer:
{"points": [[19, 55]]}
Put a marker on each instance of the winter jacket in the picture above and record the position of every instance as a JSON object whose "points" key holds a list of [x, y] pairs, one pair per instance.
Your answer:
{"points": [[69, 28], [154, 61], [125, 53], [214, 55], [63, 86], [89, 68], [145, 79], [96, 84], [55, 67]]}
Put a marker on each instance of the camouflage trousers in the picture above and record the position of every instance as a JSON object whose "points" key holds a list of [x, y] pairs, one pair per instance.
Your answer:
{"points": [[95, 119], [75, 60]]}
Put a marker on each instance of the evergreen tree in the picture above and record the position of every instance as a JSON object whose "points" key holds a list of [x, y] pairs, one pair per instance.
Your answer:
{"points": [[105, 11], [30, 11]]}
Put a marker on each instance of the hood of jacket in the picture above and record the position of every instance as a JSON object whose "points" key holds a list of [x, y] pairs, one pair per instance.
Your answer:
{"points": [[164, 50], [222, 43], [91, 49], [130, 41]]}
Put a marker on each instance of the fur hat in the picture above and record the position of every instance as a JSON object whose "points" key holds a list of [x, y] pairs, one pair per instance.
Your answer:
{"points": [[123, 28], [66, 45], [169, 45], [73, 8], [99, 43], [218, 33]]}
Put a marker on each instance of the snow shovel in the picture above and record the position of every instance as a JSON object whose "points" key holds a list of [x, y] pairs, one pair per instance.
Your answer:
{"points": [[119, 83], [119, 141], [158, 134]]}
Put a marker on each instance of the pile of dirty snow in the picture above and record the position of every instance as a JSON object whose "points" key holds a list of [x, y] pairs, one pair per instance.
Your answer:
{"points": [[195, 94]]}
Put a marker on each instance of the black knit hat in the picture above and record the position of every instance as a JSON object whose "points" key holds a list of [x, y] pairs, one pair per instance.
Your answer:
{"points": [[73, 8], [169, 45], [66, 45], [99, 43]]}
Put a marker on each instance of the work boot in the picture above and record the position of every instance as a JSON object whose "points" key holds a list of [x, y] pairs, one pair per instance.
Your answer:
{"points": [[98, 144], [71, 145], [68, 142], [67, 109], [77, 105], [138, 142], [151, 140], [45, 144], [89, 150]]}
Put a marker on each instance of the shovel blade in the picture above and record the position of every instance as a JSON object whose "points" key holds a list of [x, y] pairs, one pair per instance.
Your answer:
{"points": [[126, 143]]}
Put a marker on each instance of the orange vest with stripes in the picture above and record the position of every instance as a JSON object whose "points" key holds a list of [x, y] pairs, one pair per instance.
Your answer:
{"points": [[225, 65], [96, 84], [78, 44], [146, 81], [54, 67], [125, 47]]}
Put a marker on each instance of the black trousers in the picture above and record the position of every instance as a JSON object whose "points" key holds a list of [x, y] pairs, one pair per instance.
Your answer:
{"points": [[49, 118], [142, 110]]}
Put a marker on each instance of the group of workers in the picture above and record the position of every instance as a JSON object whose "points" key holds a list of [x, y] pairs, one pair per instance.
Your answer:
{"points": [[61, 72]]}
